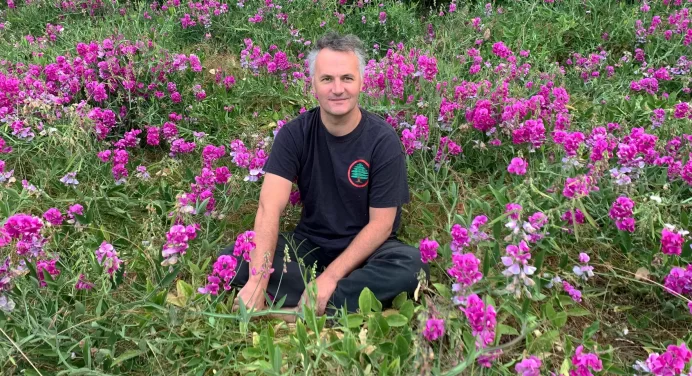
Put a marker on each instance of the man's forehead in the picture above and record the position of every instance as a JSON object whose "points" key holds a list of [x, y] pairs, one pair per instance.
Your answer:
{"points": [[336, 63]]}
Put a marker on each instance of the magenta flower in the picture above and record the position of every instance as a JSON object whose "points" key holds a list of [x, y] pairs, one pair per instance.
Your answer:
{"points": [[572, 291], [671, 362], [671, 240], [383, 18], [83, 284], [679, 280], [460, 238], [23, 226], [570, 218], [482, 320], [530, 366], [517, 166], [428, 250], [244, 245], [434, 329], [107, 257], [47, 265], [177, 240], [224, 270], [53, 216], [584, 363]]}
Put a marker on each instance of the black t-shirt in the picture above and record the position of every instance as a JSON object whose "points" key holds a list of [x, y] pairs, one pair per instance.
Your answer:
{"points": [[339, 178]]}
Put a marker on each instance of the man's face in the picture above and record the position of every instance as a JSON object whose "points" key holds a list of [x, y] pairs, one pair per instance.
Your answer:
{"points": [[337, 81]]}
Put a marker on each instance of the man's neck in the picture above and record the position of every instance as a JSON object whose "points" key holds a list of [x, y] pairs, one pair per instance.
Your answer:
{"points": [[343, 125]]}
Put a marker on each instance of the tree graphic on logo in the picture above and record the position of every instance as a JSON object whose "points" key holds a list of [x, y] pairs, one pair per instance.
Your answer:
{"points": [[359, 172]]}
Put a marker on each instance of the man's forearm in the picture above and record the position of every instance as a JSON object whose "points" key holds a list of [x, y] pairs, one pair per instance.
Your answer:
{"points": [[266, 236], [363, 245]]}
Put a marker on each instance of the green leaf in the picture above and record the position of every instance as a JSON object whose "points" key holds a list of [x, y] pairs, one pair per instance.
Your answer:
{"points": [[399, 300], [592, 329], [560, 319], [401, 346], [396, 320], [129, 354], [364, 301], [352, 320], [506, 329], [407, 309], [443, 290]]}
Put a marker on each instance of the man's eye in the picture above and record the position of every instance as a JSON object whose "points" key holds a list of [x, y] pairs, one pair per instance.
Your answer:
{"points": [[348, 79], [326, 79]]}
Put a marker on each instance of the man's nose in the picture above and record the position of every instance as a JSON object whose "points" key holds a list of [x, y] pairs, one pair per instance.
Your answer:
{"points": [[338, 88]]}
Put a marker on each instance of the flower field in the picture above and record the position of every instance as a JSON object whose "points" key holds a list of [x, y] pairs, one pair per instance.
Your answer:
{"points": [[549, 151]]}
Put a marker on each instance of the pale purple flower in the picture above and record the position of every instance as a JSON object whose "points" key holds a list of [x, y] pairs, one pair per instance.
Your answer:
{"points": [[70, 179]]}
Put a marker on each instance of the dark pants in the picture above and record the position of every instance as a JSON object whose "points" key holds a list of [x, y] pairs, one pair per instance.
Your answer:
{"points": [[390, 270]]}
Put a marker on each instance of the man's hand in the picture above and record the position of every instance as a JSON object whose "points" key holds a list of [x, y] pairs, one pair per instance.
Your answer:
{"points": [[252, 295], [325, 288]]}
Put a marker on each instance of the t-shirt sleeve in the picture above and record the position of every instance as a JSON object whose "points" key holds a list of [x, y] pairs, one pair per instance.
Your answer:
{"points": [[388, 178], [284, 157]]}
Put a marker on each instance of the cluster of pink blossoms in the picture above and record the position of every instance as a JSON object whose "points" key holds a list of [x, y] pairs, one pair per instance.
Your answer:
{"points": [[517, 166], [672, 362], [584, 363], [452, 149], [428, 250], [253, 161], [224, 271], [108, 258], [482, 319], [522, 230], [244, 244], [434, 329], [177, 240], [622, 213], [672, 240], [518, 268], [414, 137]]}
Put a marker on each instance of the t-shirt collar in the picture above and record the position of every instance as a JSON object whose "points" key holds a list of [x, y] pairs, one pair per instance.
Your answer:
{"points": [[352, 135]]}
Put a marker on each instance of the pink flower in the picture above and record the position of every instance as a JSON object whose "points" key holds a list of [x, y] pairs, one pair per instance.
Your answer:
{"points": [[671, 242], [679, 280], [465, 270], [428, 250], [383, 18], [482, 320], [107, 257], [224, 271], [244, 245], [570, 218], [517, 166], [177, 242], [83, 284], [573, 292], [434, 329], [584, 363], [672, 362], [460, 238], [530, 366], [53, 216], [47, 265], [621, 208], [23, 225]]}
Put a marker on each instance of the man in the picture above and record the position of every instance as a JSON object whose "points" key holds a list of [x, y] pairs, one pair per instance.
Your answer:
{"points": [[351, 173]]}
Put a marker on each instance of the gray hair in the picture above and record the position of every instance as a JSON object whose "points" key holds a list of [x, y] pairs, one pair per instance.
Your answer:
{"points": [[336, 42]]}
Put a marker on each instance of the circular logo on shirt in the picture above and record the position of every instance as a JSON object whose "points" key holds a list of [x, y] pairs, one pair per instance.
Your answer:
{"points": [[359, 173]]}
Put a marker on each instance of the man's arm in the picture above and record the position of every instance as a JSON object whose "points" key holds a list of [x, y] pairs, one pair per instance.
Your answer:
{"points": [[273, 199], [371, 237]]}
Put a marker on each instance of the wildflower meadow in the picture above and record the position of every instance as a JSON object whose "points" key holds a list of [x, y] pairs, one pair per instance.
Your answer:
{"points": [[549, 151]]}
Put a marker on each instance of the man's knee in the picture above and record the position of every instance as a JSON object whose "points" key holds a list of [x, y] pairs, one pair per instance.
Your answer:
{"points": [[407, 257]]}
